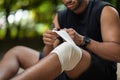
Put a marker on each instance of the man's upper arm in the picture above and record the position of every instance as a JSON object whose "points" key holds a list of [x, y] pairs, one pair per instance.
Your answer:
{"points": [[55, 21], [110, 25]]}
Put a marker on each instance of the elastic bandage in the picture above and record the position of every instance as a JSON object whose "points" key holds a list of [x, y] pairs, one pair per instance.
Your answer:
{"points": [[69, 55]]}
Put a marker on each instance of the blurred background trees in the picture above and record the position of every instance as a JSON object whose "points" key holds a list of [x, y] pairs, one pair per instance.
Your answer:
{"points": [[22, 22], [24, 18]]}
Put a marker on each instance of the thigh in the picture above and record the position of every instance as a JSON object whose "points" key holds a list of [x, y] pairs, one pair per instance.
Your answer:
{"points": [[26, 56]]}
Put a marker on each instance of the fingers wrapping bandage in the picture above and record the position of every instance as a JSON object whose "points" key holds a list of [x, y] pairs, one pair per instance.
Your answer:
{"points": [[65, 36], [69, 55]]}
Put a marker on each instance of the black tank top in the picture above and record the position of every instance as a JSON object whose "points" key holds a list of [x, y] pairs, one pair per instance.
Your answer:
{"points": [[87, 23]]}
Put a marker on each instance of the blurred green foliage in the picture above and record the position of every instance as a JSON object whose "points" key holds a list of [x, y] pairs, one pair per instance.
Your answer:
{"points": [[25, 18], [29, 18]]}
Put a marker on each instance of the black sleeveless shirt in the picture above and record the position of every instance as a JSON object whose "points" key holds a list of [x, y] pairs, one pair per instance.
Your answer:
{"points": [[88, 23]]}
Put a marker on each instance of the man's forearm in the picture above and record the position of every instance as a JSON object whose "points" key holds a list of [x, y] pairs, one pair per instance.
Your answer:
{"points": [[47, 49], [106, 50]]}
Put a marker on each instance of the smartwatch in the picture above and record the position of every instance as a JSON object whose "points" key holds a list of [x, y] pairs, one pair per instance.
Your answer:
{"points": [[86, 41]]}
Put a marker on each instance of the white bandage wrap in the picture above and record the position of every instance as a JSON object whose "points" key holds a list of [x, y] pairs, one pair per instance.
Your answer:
{"points": [[65, 36], [69, 55]]}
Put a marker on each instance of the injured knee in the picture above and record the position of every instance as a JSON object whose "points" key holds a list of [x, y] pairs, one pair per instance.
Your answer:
{"points": [[69, 55]]}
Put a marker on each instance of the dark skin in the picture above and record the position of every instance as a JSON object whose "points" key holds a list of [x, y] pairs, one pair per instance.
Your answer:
{"points": [[36, 69]]}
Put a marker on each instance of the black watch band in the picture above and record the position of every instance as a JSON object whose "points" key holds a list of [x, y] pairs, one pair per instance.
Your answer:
{"points": [[86, 41]]}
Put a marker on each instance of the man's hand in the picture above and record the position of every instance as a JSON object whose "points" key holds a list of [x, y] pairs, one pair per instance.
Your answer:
{"points": [[77, 38]]}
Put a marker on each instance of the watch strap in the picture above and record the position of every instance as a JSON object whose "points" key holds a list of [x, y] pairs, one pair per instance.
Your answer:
{"points": [[86, 41]]}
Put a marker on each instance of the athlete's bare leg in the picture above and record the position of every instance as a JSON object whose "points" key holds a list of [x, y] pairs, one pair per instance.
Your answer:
{"points": [[46, 69], [15, 58], [49, 68]]}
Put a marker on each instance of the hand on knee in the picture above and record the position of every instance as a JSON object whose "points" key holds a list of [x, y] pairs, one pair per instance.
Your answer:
{"points": [[69, 55]]}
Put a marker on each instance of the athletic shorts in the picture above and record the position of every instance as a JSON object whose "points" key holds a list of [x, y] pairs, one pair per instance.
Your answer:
{"points": [[98, 70]]}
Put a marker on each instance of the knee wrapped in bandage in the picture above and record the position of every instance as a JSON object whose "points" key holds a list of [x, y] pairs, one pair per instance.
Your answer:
{"points": [[69, 55]]}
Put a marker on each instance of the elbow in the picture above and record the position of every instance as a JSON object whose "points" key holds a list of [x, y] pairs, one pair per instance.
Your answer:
{"points": [[116, 56]]}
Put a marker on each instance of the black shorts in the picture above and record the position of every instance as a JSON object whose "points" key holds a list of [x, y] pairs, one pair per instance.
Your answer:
{"points": [[98, 70]]}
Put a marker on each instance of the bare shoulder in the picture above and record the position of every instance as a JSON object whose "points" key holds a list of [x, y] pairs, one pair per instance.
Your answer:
{"points": [[55, 17], [110, 16], [110, 12], [55, 21]]}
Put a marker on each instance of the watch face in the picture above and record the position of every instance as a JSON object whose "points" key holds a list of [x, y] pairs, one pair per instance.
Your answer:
{"points": [[86, 40]]}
